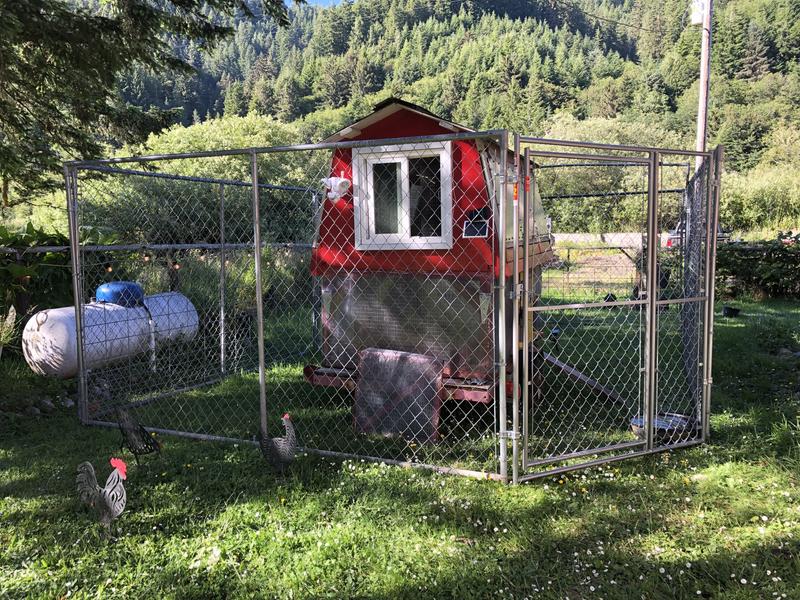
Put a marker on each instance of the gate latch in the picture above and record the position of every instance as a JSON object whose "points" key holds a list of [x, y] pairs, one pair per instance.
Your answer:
{"points": [[509, 435], [518, 293]]}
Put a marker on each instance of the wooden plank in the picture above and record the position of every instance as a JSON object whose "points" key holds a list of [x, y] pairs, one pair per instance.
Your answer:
{"points": [[585, 379]]}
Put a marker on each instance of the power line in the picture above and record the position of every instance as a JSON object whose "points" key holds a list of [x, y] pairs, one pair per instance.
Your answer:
{"points": [[586, 13]]}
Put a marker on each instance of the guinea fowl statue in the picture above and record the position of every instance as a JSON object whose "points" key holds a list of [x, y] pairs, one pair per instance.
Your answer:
{"points": [[279, 451], [107, 502]]}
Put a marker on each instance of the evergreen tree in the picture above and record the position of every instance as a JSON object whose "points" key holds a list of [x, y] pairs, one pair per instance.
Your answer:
{"points": [[288, 98], [332, 88], [61, 62], [755, 62], [730, 44], [262, 97], [234, 100]]}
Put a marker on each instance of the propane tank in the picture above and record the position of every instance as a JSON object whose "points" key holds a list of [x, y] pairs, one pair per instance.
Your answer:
{"points": [[112, 332]]}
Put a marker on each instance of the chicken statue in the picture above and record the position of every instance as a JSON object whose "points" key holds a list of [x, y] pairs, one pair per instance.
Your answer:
{"points": [[279, 451], [338, 186], [107, 502], [134, 436]]}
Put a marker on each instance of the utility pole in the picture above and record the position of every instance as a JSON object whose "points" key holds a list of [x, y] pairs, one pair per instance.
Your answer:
{"points": [[702, 11]]}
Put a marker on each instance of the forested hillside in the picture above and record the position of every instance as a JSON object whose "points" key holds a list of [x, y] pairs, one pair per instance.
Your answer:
{"points": [[503, 64], [606, 70]]}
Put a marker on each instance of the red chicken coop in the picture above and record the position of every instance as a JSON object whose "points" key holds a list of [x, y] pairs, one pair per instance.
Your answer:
{"points": [[406, 260]]}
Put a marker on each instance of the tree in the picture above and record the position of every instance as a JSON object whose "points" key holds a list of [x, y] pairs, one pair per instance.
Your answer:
{"points": [[60, 65], [288, 98], [730, 43], [756, 54], [234, 100], [262, 97], [332, 87]]}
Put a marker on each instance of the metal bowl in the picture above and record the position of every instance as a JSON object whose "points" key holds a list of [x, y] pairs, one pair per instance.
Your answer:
{"points": [[669, 427]]}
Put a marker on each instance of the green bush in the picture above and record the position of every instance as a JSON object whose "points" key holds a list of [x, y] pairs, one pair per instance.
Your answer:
{"points": [[768, 195], [32, 281], [765, 268]]}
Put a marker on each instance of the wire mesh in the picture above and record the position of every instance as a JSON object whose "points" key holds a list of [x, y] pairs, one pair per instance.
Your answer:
{"points": [[362, 249], [411, 307], [589, 320]]}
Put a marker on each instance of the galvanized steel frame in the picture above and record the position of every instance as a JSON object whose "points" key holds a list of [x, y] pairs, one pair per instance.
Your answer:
{"points": [[653, 162], [516, 166]]}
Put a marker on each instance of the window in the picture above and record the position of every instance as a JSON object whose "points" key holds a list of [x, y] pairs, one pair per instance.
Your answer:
{"points": [[403, 197]]}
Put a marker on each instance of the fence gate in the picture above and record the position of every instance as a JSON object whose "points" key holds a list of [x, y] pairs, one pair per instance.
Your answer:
{"points": [[614, 332]]}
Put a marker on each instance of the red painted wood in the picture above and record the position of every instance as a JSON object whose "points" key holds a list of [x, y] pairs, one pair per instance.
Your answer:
{"points": [[336, 245]]}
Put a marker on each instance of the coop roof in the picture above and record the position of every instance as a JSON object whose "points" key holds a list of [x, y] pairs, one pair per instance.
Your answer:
{"points": [[389, 107]]}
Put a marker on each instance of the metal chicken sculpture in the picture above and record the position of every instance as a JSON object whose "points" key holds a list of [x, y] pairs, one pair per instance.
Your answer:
{"points": [[107, 502], [135, 437], [280, 451]]}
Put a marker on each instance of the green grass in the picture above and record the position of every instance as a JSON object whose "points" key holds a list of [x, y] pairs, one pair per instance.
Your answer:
{"points": [[209, 520]]}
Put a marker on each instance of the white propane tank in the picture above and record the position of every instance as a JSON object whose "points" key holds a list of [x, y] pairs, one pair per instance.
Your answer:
{"points": [[111, 332]]}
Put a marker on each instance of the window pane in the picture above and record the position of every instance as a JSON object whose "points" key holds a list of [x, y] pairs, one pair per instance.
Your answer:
{"points": [[426, 196], [386, 188]]}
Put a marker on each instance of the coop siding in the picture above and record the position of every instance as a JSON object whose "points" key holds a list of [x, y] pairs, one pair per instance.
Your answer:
{"points": [[440, 317]]}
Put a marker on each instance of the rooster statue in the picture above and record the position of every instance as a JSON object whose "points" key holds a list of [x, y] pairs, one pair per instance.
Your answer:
{"points": [[107, 502], [279, 451]]}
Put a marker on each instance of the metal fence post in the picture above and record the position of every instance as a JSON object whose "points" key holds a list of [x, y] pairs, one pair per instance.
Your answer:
{"points": [[222, 275], [71, 183], [712, 212], [501, 307], [515, 350], [651, 327], [262, 382], [527, 189]]}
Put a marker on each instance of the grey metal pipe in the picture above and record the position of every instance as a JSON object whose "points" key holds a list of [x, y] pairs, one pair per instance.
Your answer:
{"points": [[616, 147], [606, 460], [222, 275], [711, 254], [528, 187], [262, 380], [190, 178], [163, 247], [589, 452], [547, 307], [610, 194], [651, 329], [71, 184], [599, 158], [328, 453], [501, 308], [620, 164], [470, 135], [515, 317]]}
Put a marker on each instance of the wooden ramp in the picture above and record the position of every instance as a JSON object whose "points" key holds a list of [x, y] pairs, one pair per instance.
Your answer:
{"points": [[577, 375]]}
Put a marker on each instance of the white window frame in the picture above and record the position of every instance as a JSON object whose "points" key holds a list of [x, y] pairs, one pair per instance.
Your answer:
{"points": [[363, 198]]}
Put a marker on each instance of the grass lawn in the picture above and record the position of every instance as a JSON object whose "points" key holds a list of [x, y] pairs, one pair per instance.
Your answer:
{"points": [[210, 520]]}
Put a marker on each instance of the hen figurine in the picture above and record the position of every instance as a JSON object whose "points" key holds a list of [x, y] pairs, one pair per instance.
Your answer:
{"points": [[107, 502], [279, 451]]}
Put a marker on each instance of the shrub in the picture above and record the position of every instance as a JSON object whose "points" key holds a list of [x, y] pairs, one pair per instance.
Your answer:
{"points": [[768, 195], [769, 267]]}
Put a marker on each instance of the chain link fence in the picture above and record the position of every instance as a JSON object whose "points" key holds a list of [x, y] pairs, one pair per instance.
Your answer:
{"points": [[619, 328], [414, 300]]}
